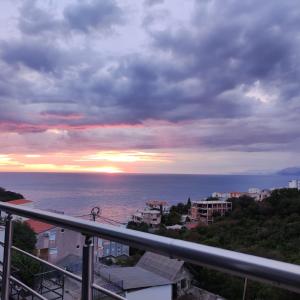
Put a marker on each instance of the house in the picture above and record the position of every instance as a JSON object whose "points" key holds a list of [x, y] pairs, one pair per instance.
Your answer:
{"points": [[46, 239], [54, 243], [21, 202], [168, 268], [205, 211], [219, 195], [162, 206], [137, 283], [152, 217], [265, 193], [254, 190], [236, 194], [153, 277]]}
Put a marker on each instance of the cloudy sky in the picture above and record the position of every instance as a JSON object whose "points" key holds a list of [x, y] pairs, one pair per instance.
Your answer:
{"points": [[153, 86]]}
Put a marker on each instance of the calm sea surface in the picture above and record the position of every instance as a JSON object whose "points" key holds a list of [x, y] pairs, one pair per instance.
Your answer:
{"points": [[119, 195]]}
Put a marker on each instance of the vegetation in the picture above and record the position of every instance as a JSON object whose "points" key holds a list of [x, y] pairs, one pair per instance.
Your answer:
{"points": [[24, 267], [24, 238], [138, 226], [8, 195], [176, 211], [269, 229]]}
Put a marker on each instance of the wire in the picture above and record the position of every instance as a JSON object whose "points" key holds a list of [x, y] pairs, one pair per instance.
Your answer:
{"points": [[104, 218]]}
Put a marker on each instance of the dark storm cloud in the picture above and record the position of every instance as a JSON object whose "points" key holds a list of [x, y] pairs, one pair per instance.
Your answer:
{"points": [[34, 20], [94, 14], [200, 71], [80, 16], [35, 55]]}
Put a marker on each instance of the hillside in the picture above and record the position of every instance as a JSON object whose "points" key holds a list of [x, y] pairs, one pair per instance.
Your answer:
{"points": [[270, 229], [8, 195], [295, 171]]}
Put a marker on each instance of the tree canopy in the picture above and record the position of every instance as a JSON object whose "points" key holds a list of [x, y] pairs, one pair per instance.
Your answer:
{"points": [[8, 195], [269, 229]]}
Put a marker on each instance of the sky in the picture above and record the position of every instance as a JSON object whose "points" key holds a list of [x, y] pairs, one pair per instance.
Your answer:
{"points": [[149, 86]]}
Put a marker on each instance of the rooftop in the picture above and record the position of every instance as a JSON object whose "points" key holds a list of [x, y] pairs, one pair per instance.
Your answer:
{"points": [[38, 227], [19, 201], [160, 265], [156, 202], [210, 202], [134, 277]]}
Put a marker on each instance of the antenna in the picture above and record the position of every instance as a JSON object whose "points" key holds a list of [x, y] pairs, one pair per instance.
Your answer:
{"points": [[95, 212]]}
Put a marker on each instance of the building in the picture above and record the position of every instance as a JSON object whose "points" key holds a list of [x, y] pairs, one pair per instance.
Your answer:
{"points": [[294, 184], [236, 194], [153, 277], [171, 269], [254, 190], [138, 283], [152, 217], [21, 202], [220, 195], [111, 249], [55, 243], [46, 239], [159, 205], [204, 211], [259, 195]]}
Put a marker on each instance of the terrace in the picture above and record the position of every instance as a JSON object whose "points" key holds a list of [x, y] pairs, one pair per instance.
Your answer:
{"points": [[277, 273]]}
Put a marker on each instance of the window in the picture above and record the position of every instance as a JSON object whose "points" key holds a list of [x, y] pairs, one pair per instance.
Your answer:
{"points": [[52, 251], [52, 235], [183, 284]]}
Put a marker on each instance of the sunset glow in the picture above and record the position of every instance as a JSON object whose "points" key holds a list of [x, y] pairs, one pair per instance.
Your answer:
{"points": [[152, 86], [128, 157], [78, 162]]}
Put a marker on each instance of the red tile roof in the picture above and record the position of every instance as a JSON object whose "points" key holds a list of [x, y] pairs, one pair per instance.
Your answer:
{"points": [[39, 227], [19, 201], [191, 225]]}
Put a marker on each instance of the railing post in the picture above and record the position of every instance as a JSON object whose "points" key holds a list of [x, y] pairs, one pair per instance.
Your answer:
{"points": [[87, 269], [7, 257], [245, 288]]}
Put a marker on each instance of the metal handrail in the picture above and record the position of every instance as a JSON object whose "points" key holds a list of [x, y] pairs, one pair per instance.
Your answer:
{"points": [[65, 272], [278, 273]]}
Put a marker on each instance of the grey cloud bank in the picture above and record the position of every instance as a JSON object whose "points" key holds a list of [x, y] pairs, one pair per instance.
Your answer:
{"points": [[231, 70]]}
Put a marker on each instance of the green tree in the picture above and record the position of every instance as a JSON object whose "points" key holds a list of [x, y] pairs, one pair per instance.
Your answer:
{"points": [[25, 267]]}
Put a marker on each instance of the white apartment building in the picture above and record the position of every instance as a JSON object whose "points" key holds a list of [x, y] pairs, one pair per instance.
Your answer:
{"points": [[294, 184], [152, 217]]}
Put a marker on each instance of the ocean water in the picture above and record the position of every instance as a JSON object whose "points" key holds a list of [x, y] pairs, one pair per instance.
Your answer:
{"points": [[119, 195]]}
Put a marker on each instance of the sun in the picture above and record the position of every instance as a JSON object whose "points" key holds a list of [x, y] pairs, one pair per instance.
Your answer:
{"points": [[106, 169]]}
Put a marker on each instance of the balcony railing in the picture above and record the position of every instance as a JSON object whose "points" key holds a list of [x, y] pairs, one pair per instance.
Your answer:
{"points": [[277, 273]]}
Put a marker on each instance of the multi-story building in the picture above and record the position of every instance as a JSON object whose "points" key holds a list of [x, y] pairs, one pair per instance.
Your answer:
{"points": [[204, 211], [54, 243], [159, 205], [152, 217]]}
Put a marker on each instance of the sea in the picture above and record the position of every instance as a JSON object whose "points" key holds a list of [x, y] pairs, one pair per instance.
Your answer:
{"points": [[119, 195]]}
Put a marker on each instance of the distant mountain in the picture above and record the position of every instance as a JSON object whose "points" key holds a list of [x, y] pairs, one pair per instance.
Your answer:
{"points": [[290, 171]]}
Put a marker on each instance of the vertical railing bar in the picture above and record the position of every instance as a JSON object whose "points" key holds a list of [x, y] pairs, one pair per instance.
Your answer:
{"points": [[7, 257], [87, 269], [245, 288]]}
